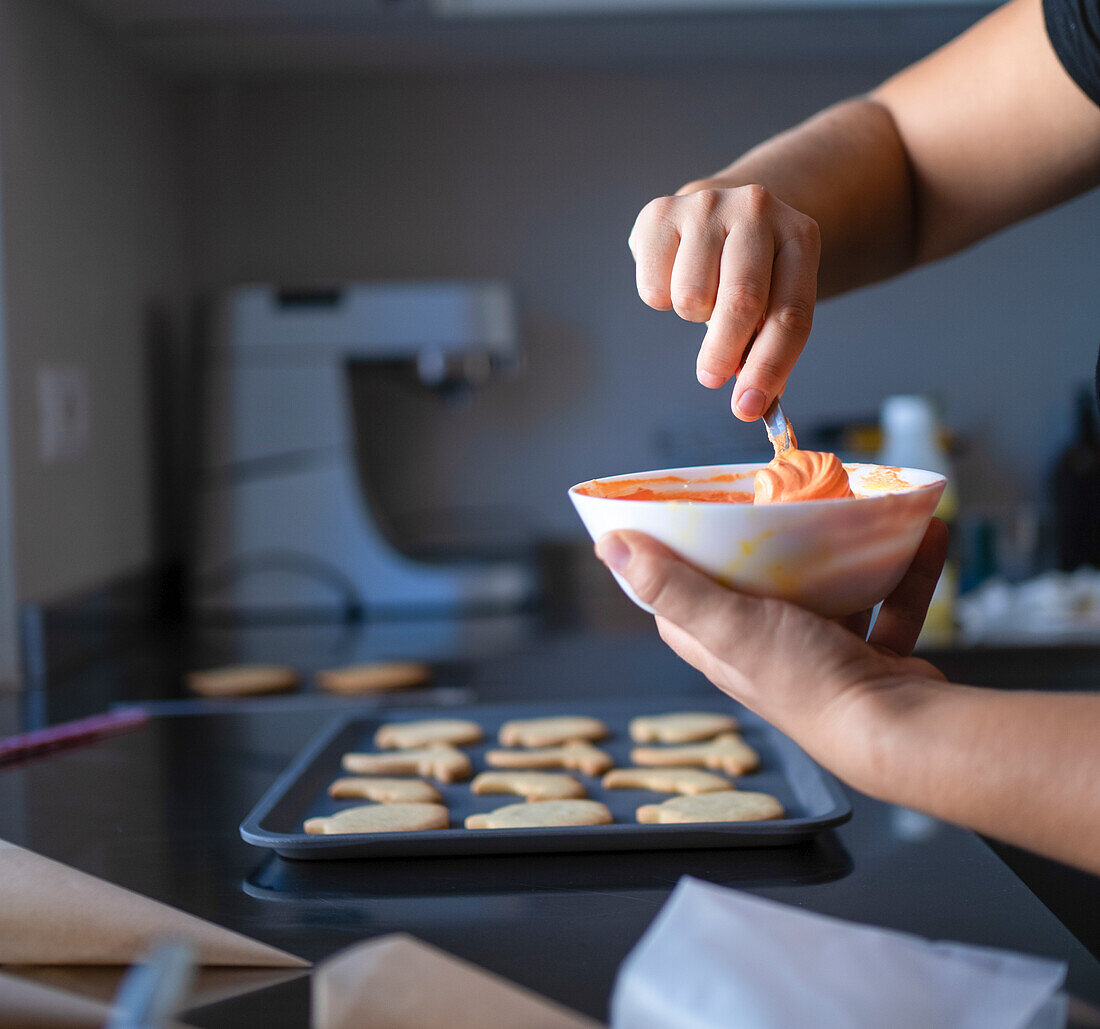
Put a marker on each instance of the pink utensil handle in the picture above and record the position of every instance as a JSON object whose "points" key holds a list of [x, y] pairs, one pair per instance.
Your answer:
{"points": [[67, 734]]}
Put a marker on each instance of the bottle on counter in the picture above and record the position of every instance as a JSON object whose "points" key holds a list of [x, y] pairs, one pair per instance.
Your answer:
{"points": [[1075, 491], [912, 438]]}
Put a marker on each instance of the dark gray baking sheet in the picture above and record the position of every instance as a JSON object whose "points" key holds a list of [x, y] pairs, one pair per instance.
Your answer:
{"points": [[811, 797]]}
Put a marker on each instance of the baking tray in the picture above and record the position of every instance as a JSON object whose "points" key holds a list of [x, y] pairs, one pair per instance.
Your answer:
{"points": [[811, 797]]}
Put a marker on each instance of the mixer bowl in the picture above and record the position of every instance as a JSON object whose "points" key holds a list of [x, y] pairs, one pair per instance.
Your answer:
{"points": [[835, 557]]}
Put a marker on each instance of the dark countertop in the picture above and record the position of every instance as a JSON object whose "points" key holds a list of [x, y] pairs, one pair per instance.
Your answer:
{"points": [[158, 810]]}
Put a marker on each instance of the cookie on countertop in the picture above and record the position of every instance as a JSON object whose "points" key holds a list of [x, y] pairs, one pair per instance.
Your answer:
{"points": [[578, 756], [408, 735], [381, 818], [666, 780], [727, 806], [243, 680], [530, 785], [548, 732], [373, 677], [727, 753], [385, 791], [543, 813], [680, 727], [440, 761]]}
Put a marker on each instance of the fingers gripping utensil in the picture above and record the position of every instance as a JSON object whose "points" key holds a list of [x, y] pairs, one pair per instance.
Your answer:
{"points": [[780, 434]]}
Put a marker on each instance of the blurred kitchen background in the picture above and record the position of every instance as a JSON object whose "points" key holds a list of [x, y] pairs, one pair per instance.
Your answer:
{"points": [[157, 155]]}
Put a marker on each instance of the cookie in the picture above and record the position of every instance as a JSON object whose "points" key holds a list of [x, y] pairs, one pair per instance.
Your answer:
{"points": [[386, 791], [547, 732], [373, 677], [578, 756], [381, 818], [728, 753], [532, 785], [680, 727], [407, 735], [666, 780], [243, 680], [542, 813], [727, 806], [440, 761]]}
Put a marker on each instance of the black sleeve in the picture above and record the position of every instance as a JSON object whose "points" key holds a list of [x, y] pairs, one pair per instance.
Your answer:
{"points": [[1074, 30]]}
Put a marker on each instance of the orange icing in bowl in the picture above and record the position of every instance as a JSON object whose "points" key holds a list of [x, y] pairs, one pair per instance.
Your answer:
{"points": [[793, 475], [801, 475]]}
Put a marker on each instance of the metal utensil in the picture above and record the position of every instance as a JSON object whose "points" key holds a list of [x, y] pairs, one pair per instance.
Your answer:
{"points": [[780, 433]]}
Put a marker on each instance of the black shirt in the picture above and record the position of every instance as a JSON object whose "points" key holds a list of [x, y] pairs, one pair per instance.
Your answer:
{"points": [[1074, 30]]}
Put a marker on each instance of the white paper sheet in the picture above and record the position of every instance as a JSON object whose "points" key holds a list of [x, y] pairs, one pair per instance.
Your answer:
{"points": [[715, 957]]}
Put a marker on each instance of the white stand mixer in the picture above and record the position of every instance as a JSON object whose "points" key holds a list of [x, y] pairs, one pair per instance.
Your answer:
{"points": [[284, 526]]}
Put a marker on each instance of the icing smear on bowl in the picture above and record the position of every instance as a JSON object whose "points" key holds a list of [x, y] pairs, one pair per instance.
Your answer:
{"points": [[669, 487]]}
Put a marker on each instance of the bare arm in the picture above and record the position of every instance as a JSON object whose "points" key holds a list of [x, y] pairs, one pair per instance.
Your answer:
{"points": [[847, 169], [994, 130], [984, 132], [1022, 767]]}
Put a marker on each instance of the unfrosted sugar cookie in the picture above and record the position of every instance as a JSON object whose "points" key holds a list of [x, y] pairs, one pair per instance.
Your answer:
{"points": [[407, 735], [243, 680], [381, 818], [542, 814], [531, 785], [727, 806], [666, 780], [578, 756], [680, 727], [727, 753], [373, 677], [385, 791], [546, 732], [440, 761]]}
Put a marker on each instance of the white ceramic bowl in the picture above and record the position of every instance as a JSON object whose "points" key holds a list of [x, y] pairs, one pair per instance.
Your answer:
{"points": [[835, 557]]}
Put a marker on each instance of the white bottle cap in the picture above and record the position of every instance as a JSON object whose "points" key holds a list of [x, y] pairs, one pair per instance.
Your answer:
{"points": [[910, 434], [908, 413]]}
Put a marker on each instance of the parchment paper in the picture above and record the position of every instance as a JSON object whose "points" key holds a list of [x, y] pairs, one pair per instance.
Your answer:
{"points": [[51, 914], [399, 982]]}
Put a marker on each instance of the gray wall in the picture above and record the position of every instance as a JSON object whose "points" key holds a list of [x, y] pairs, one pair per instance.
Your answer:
{"points": [[533, 177], [92, 242], [9, 653], [537, 178]]}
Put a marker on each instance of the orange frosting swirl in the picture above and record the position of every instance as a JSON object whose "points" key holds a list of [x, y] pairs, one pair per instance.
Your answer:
{"points": [[801, 475]]}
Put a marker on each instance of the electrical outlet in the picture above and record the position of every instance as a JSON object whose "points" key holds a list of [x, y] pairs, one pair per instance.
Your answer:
{"points": [[62, 413]]}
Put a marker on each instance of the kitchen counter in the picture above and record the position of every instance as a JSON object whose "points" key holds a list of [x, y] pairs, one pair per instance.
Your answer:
{"points": [[157, 811]]}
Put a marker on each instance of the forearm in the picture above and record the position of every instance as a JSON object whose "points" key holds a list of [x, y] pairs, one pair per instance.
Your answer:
{"points": [[986, 131], [1021, 767], [847, 169]]}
